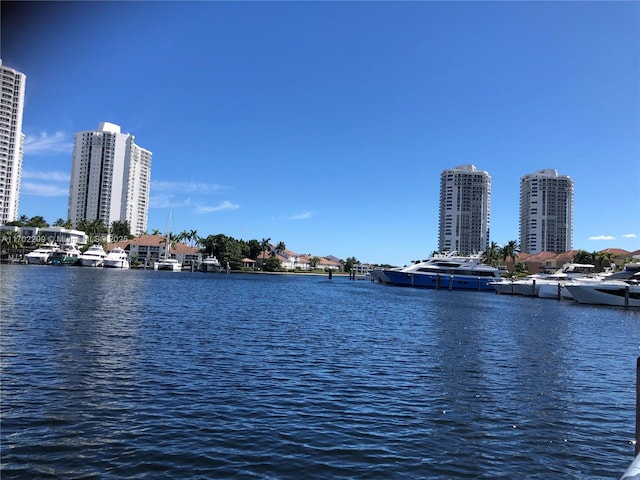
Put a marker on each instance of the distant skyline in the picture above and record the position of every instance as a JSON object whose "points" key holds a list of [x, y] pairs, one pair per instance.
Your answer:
{"points": [[326, 125]]}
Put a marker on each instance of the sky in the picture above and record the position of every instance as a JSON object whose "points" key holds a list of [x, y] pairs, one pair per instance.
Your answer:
{"points": [[326, 125]]}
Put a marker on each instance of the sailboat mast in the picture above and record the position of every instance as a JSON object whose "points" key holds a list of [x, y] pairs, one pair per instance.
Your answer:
{"points": [[167, 254]]}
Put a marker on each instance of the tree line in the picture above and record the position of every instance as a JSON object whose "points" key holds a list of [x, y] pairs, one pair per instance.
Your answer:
{"points": [[225, 248]]}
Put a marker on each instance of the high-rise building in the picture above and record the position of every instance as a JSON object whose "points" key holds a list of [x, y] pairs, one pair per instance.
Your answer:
{"points": [[110, 178], [546, 212], [11, 141], [465, 204]]}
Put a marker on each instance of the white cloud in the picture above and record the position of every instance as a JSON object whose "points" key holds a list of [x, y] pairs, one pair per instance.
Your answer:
{"points": [[167, 201], [629, 235], [226, 205], [301, 216], [51, 176], [43, 190], [46, 144], [186, 187], [602, 237]]}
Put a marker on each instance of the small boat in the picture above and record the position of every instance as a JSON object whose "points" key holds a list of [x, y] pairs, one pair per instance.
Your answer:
{"points": [[620, 289], [116, 258], [168, 264], [41, 255], [210, 264], [448, 271], [93, 257], [68, 254]]}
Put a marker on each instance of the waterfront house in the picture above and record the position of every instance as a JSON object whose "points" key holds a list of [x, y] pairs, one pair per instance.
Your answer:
{"points": [[551, 261], [32, 236], [147, 249], [248, 263]]}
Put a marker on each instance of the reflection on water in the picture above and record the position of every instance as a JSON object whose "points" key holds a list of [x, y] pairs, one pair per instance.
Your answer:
{"points": [[115, 374]]}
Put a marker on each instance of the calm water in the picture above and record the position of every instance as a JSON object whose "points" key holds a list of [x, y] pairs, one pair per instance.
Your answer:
{"points": [[138, 374]]}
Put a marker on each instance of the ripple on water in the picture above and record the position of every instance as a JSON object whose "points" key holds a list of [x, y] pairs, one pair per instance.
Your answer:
{"points": [[146, 374]]}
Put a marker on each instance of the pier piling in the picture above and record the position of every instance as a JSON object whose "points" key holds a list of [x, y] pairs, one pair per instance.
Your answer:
{"points": [[626, 296], [637, 449]]}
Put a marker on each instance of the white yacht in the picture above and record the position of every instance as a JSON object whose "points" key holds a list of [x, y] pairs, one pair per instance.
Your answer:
{"points": [[619, 289], [168, 264], [116, 258], [93, 257], [532, 284], [68, 254], [210, 264], [41, 255], [448, 271]]}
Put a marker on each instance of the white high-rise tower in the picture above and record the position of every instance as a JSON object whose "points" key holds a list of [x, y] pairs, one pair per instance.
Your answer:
{"points": [[11, 141], [465, 204], [546, 212], [110, 178]]}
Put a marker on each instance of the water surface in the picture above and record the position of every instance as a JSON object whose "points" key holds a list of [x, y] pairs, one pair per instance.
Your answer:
{"points": [[140, 374]]}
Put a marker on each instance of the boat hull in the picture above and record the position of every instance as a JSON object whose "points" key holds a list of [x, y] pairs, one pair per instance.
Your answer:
{"points": [[434, 280], [91, 262], [210, 268], [169, 268], [109, 263], [554, 290], [616, 294], [36, 260], [527, 289], [63, 260], [168, 265], [518, 287], [504, 287]]}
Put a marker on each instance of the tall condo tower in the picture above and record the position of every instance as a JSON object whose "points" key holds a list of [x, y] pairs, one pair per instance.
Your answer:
{"points": [[11, 141], [465, 204], [546, 212], [110, 178]]}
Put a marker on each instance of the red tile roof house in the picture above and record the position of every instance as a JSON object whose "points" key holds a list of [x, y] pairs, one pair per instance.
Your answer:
{"points": [[248, 263], [291, 260], [149, 248], [550, 261]]}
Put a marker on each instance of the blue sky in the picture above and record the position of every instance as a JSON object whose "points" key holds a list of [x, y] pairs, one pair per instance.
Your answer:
{"points": [[326, 124]]}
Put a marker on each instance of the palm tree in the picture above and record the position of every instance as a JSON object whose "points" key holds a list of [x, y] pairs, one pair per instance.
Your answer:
{"points": [[492, 255], [94, 229], [155, 231], [37, 221], [604, 260], [314, 261], [511, 250], [183, 235], [582, 256], [521, 268], [265, 245], [21, 222], [9, 242], [120, 230], [169, 242], [280, 248], [63, 223], [193, 237]]}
